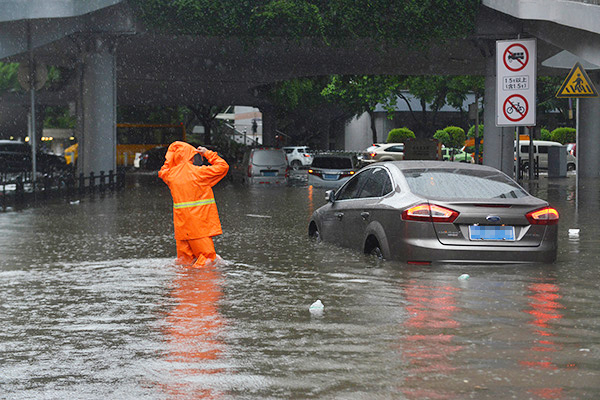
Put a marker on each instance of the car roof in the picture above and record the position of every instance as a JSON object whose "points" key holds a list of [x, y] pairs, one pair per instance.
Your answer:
{"points": [[334, 156], [417, 164]]}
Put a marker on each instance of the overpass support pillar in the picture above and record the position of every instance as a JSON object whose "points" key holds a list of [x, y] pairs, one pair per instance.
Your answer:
{"points": [[97, 99], [268, 126], [499, 142], [588, 148]]}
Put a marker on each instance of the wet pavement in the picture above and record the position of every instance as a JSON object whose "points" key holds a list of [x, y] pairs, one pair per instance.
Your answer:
{"points": [[92, 307]]}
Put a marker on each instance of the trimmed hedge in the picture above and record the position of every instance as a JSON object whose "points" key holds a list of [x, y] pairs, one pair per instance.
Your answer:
{"points": [[471, 132], [399, 135], [564, 135]]}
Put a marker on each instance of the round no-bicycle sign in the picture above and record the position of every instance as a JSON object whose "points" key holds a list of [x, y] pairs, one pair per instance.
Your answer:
{"points": [[515, 108], [515, 57]]}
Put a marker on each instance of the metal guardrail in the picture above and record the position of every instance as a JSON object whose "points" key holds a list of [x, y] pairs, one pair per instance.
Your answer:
{"points": [[20, 189]]}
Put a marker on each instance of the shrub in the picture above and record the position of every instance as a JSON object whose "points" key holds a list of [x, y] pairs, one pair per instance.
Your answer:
{"points": [[399, 135], [443, 136], [564, 135], [471, 132], [545, 134], [456, 135]]}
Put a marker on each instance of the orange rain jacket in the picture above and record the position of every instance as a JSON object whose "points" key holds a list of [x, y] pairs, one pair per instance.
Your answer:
{"points": [[195, 212]]}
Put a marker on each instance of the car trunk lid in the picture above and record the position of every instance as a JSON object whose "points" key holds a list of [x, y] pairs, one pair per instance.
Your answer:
{"points": [[485, 223]]}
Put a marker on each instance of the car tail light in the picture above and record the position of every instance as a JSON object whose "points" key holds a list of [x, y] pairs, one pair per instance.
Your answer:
{"points": [[346, 174], [543, 216], [315, 173], [373, 154], [287, 172], [249, 171], [429, 213]]}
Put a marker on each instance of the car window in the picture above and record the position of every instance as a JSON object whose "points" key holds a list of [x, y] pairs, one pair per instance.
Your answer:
{"points": [[376, 183], [332, 163], [289, 150], [350, 189], [458, 183], [543, 149], [396, 149], [268, 157]]}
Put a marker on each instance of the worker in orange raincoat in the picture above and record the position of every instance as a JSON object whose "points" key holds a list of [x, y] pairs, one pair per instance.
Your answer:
{"points": [[195, 214]]}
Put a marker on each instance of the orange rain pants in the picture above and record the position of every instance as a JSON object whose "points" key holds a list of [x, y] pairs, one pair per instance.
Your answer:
{"points": [[196, 251]]}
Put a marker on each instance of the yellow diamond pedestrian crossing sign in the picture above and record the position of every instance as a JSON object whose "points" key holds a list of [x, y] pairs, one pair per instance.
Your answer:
{"points": [[577, 84]]}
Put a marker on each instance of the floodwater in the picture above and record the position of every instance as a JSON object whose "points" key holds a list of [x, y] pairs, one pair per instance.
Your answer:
{"points": [[92, 307]]}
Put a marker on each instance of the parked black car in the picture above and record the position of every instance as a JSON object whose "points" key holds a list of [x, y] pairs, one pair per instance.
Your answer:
{"points": [[153, 159], [16, 157]]}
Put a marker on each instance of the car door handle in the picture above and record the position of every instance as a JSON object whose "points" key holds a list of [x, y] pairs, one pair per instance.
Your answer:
{"points": [[339, 215], [364, 215]]}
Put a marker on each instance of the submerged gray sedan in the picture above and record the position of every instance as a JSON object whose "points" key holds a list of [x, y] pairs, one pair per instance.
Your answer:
{"points": [[433, 211]]}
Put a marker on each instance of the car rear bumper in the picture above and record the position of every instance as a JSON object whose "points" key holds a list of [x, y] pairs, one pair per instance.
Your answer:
{"points": [[267, 180], [431, 250]]}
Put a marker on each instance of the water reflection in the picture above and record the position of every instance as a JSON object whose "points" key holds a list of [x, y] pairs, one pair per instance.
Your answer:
{"points": [[429, 347], [544, 306], [193, 334]]}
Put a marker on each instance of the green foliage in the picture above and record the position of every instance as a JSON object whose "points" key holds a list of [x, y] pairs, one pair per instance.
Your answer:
{"points": [[456, 136], [59, 117], [564, 135], [359, 94], [399, 135], [545, 134], [337, 20], [471, 133], [442, 136], [8, 77]]}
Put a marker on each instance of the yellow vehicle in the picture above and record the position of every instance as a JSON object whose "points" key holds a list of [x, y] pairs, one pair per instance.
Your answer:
{"points": [[137, 138]]}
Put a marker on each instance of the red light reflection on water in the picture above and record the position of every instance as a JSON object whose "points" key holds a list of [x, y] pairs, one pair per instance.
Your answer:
{"points": [[429, 349], [544, 306], [193, 329]]}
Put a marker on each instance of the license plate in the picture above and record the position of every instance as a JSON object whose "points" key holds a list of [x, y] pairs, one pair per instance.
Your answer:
{"points": [[331, 177], [270, 173], [488, 232]]}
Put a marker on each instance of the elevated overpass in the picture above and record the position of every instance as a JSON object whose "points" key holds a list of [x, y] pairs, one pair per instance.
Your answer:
{"points": [[116, 60]]}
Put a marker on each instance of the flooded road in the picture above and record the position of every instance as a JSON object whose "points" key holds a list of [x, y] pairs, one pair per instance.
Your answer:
{"points": [[92, 307]]}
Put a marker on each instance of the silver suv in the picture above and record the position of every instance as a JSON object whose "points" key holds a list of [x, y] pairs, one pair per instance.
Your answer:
{"points": [[298, 156], [265, 165]]}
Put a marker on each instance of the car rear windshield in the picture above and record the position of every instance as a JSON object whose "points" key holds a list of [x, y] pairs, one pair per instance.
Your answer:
{"points": [[462, 184], [268, 157], [332, 163]]}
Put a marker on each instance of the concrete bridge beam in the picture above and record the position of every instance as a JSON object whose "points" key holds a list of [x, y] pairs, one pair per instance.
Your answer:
{"points": [[97, 108], [588, 148]]}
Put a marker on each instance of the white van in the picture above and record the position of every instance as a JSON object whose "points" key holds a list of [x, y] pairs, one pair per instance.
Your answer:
{"points": [[540, 153]]}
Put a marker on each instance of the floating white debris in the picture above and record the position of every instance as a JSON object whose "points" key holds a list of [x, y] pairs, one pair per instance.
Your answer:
{"points": [[75, 202], [258, 216], [573, 232], [463, 277], [316, 307]]}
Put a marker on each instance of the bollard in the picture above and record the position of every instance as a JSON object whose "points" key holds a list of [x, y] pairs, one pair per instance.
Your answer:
{"points": [[111, 180], [92, 182], [102, 176], [81, 183]]}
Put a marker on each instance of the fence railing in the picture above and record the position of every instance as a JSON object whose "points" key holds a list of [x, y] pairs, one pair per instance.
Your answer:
{"points": [[19, 188]]}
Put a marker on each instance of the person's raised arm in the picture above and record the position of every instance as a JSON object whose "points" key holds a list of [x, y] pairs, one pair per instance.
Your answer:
{"points": [[211, 174]]}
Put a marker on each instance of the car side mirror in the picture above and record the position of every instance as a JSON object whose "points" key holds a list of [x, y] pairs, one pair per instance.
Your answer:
{"points": [[330, 196]]}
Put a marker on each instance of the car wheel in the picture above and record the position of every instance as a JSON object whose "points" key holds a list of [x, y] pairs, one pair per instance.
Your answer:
{"points": [[313, 233], [296, 165], [377, 253], [570, 167]]}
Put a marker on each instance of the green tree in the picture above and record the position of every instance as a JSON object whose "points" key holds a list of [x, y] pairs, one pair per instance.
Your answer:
{"points": [[360, 94], [399, 135]]}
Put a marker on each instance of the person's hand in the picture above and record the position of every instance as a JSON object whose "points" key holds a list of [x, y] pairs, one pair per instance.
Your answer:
{"points": [[201, 149]]}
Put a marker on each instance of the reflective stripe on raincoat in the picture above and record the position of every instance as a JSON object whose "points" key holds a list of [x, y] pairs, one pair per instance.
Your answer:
{"points": [[195, 212]]}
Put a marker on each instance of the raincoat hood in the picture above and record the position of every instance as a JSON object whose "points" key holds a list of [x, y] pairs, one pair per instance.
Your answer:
{"points": [[179, 153]]}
